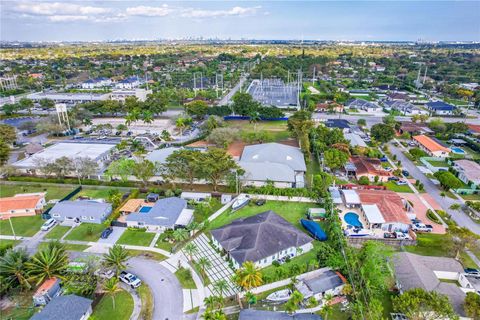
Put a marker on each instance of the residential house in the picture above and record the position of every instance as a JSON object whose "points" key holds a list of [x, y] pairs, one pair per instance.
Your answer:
{"points": [[128, 83], [96, 83], [281, 164], [469, 172], [385, 210], [318, 286], [414, 128], [397, 96], [440, 108], [364, 105], [341, 124], [21, 205], [252, 314], [360, 166], [355, 140], [49, 289], [81, 211], [329, 107], [167, 213], [431, 147], [426, 272], [474, 129], [262, 239], [69, 307], [405, 108]]}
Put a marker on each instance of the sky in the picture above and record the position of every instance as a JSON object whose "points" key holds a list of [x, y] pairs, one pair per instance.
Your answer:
{"points": [[75, 20]]}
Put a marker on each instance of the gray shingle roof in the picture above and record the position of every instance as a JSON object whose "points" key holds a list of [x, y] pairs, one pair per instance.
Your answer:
{"points": [[329, 280], [251, 314], [69, 307], [258, 171], [258, 237], [275, 153], [81, 208], [164, 213]]}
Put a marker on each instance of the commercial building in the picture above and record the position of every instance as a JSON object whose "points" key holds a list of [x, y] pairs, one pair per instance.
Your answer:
{"points": [[81, 211], [281, 164], [21, 205], [430, 146], [261, 239], [121, 95], [69, 98]]}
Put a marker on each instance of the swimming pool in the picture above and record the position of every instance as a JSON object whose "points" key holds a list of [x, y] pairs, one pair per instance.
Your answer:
{"points": [[457, 150], [145, 209], [351, 218]]}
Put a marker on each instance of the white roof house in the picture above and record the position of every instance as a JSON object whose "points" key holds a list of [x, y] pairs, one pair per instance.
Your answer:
{"points": [[372, 213], [355, 140], [351, 197]]}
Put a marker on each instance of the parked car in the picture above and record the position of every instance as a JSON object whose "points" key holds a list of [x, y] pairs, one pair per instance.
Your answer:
{"points": [[472, 272], [388, 235], [130, 279], [108, 231], [50, 223], [420, 227], [260, 202], [393, 178], [388, 169], [401, 235], [401, 183], [405, 173], [416, 220]]}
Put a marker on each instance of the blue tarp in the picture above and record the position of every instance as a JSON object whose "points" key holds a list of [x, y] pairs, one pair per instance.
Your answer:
{"points": [[314, 229]]}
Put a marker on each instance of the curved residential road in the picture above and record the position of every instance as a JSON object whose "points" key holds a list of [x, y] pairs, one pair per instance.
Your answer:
{"points": [[166, 290]]}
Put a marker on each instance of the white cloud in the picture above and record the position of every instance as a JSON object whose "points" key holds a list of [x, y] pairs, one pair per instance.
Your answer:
{"points": [[147, 11], [58, 8], [235, 11], [67, 18]]}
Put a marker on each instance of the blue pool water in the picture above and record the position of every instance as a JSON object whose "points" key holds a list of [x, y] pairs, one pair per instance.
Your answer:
{"points": [[145, 209], [457, 150], [351, 218]]}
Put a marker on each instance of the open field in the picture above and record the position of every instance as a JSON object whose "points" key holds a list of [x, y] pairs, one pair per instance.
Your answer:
{"points": [[86, 232], [278, 129], [136, 238], [53, 192], [23, 226]]}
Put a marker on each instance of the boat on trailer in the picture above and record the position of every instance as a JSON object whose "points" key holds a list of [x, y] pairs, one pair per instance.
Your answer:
{"points": [[279, 296], [240, 202]]}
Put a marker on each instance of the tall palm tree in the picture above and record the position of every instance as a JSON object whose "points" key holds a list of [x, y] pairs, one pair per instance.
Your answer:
{"points": [[110, 287], [180, 235], [220, 287], [293, 303], [248, 276], [190, 249], [132, 116], [116, 258], [147, 117], [254, 118], [48, 263], [181, 124], [327, 307], [204, 264], [214, 302], [13, 270]]}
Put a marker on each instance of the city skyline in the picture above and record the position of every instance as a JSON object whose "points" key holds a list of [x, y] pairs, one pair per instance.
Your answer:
{"points": [[280, 20]]}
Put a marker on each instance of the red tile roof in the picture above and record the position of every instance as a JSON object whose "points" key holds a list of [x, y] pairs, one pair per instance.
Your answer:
{"points": [[19, 202], [430, 144], [388, 202], [366, 165]]}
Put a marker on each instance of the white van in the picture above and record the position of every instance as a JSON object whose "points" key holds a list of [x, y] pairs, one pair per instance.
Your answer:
{"points": [[48, 224]]}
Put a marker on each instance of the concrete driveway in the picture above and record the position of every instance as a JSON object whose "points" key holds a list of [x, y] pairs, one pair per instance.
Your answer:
{"points": [[114, 236], [166, 290]]}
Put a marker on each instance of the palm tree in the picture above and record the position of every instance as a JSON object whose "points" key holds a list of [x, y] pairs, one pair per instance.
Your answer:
{"points": [[110, 287], [213, 302], [48, 263], [190, 249], [181, 124], [147, 117], [248, 276], [132, 116], [13, 270], [220, 287], [251, 298], [327, 307], [180, 235], [292, 304], [254, 118], [116, 258], [456, 206], [204, 264]]}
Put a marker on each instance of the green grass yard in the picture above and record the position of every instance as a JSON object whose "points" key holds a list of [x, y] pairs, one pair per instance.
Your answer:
{"points": [[53, 192], [184, 275], [165, 245], [123, 307], [146, 254], [86, 232], [438, 164], [57, 232], [136, 238], [471, 197], [278, 129], [291, 211], [93, 193], [391, 185], [23, 226], [68, 246]]}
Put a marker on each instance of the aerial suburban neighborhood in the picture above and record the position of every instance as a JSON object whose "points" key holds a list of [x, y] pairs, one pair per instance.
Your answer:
{"points": [[239, 160]]}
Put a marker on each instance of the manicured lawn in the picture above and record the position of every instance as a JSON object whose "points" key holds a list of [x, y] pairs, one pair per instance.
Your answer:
{"points": [[93, 193], [136, 238], [86, 232], [429, 244], [5, 244], [184, 275], [146, 254], [57, 232], [68, 246], [291, 211], [53, 192], [165, 245], [391, 185], [23, 226], [278, 129], [438, 164], [123, 307]]}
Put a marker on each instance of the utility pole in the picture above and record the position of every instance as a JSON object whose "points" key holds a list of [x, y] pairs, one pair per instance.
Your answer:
{"points": [[11, 226]]}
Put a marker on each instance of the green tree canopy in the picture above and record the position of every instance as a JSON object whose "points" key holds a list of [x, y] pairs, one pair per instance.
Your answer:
{"points": [[418, 304]]}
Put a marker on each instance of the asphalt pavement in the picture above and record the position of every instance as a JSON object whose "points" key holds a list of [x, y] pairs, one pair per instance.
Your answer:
{"points": [[166, 290], [461, 218]]}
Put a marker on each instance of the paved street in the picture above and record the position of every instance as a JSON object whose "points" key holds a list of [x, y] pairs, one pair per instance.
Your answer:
{"points": [[166, 290], [459, 217]]}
